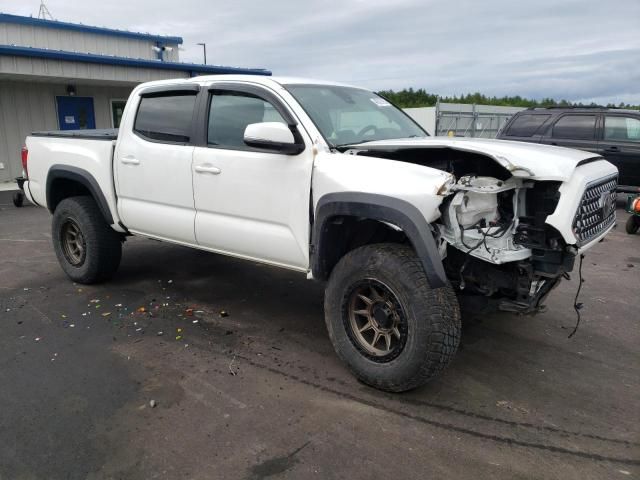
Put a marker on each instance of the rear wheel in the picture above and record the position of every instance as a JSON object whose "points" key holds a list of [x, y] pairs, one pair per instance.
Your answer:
{"points": [[89, 250], [386, 323], [633, 224]]}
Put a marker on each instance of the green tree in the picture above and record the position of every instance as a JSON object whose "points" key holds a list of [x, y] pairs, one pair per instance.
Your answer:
{"points": [[410, 98]]}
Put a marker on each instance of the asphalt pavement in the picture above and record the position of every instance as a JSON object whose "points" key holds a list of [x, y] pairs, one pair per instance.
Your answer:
{"points": [[199, 366]]}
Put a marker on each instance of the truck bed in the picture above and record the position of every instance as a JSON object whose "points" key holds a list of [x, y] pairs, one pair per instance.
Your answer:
{"points": [[95, 134]]}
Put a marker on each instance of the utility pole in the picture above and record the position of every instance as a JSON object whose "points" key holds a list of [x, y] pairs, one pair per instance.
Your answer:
{"points": [[204, 47]]}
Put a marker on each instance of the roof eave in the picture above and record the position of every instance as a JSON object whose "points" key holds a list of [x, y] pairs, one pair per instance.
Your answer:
{"points": [[191, 68]]}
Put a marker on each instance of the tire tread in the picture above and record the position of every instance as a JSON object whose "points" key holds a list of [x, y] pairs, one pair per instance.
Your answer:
{"points": [[439, 307], [104, 245]]}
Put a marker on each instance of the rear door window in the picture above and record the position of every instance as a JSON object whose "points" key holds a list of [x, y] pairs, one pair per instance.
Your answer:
{"points": [[575, 127], [526, 125], [166, 118], [622, 129]]}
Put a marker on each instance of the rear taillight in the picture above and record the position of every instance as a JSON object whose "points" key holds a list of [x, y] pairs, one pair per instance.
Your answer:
{"points": [[635, 205], [25, 158]]}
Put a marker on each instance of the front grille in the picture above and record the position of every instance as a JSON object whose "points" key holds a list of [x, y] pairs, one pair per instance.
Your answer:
{"points": [[597, 209]]}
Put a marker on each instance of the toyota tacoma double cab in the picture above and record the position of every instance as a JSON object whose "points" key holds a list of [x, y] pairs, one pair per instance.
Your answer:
{"points": [[334, 182]]}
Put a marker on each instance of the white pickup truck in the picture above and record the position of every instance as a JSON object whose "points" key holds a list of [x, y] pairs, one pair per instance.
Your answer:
{"points": [[334, 182]]}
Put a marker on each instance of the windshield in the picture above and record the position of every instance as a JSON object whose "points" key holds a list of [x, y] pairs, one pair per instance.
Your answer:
{"points": [[347, 116]]}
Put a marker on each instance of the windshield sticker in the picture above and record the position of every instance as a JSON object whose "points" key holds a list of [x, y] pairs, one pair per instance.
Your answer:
{"points": [[381, 102]]}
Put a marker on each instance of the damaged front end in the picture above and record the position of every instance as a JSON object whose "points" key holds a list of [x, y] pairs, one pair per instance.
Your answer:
{"points": [[497, 250], [509, 230]]}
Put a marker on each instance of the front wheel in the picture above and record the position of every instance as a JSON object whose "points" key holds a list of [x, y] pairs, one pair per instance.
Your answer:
{"points": [[633, 224], [386, 323], [88, 249]]}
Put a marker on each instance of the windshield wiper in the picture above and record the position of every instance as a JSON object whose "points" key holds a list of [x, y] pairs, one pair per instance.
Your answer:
{"points": [[342, 145]]}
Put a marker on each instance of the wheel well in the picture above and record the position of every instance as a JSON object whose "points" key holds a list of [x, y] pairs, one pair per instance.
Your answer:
{"points": [[64, 181], [61, 188], [344, 233]]}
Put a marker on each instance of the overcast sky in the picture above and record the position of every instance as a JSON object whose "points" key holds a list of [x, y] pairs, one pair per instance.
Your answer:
{"points": [[586, 50]]}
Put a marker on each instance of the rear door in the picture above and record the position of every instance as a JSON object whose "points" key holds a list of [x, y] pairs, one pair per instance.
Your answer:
{"points": [[620, 145], [574, 130], [153, 164]]}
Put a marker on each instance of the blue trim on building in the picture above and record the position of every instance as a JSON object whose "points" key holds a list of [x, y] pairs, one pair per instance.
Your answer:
{"points": [[38, 22], [191, 68]]}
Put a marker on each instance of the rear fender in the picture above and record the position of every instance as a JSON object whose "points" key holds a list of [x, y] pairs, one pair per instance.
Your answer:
{"points": [[78, 176]]}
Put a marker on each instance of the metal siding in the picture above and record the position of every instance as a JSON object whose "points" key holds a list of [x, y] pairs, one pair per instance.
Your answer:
{"points": [[26, 107], [59, 39], [78, 27]]}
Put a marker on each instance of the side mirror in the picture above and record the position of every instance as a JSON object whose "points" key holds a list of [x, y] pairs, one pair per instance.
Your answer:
{"points": [[273, 136]]}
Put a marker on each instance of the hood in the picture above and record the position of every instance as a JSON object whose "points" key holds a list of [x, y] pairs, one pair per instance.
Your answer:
{"points": [[543, 162]]}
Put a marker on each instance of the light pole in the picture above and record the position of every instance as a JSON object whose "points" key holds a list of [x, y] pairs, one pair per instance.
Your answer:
{"points": [[204, 47]]}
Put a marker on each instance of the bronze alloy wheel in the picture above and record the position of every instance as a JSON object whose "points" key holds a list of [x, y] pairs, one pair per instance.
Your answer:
{"points": [[375, 321], [74, 246]]}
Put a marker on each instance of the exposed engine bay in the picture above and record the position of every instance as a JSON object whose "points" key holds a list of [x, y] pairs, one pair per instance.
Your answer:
{"points": [[495, 244], [497, 250]]}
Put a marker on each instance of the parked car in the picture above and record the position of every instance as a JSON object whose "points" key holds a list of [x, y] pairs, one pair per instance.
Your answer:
{"points": [[336, 183], [610, 132]]}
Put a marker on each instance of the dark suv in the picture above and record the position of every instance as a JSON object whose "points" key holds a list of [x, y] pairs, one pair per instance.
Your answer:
{"points": [[610, 132]]}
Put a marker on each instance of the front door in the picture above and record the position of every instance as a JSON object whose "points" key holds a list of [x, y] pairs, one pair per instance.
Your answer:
{"points": [[75, 113], [250, 203]]}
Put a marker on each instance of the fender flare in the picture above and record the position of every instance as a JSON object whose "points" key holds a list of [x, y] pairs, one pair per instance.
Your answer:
{"points": [[382, 208], [82, 177]]}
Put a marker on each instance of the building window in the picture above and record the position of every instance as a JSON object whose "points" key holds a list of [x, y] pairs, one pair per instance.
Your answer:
{"points": [[166, 118], [117, 109]]}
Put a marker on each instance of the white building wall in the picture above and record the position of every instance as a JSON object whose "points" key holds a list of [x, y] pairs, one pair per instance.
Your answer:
{"points": [[83, 42], [27, 106]]}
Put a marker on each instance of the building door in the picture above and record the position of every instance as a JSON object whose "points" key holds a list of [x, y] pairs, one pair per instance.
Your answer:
{"points": [[75, 113]]}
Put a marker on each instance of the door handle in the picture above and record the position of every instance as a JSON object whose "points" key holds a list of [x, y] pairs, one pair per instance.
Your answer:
{"points": [[612, 149], [210, 169], [130, 160]]}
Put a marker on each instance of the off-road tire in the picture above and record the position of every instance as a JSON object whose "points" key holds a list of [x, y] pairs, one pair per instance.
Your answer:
{"points": [[103, 245], [432, 317], [633, 224]]}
